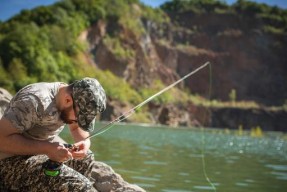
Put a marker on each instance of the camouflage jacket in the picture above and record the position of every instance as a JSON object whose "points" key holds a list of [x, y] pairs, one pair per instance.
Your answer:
{"points": [[32, 111]]}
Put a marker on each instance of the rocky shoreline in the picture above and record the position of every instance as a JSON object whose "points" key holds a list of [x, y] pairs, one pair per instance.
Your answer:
{"points": [[190, 115], [234, 118]]}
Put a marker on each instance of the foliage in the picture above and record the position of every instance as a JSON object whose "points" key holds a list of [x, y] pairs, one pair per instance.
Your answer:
{"points": [[156, 87], [256, 132], [240, 130], [118, 50], [273, 30], [41, 44], [18, 72], [133, 25], [140, 117], [195, 6], [5, 81], [232, 95], [117, 88], [155, 15], [272, 19]]}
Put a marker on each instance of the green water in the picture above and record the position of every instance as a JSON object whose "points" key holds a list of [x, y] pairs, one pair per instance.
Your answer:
{"points": [[171, 160]]}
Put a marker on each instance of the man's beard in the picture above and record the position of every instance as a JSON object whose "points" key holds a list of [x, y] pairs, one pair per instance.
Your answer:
{"points": [[64, 115]]}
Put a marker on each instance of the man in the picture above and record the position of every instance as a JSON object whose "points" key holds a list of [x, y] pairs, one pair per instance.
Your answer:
{"points": [[28, 138]]}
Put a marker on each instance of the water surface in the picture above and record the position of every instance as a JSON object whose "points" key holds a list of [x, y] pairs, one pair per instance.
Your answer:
{"points": [[173, 160]]}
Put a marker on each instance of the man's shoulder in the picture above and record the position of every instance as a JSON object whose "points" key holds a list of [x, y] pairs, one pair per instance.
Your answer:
{"points": [[37, 93], [40, 89], [42, 86]]}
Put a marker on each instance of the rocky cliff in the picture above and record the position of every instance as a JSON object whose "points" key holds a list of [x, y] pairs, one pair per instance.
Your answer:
{"points": [[148, 49], [245, 59]]}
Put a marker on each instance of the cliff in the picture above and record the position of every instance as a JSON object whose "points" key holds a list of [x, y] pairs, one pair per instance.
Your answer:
{"points": [[246, 60], [147, 49]]}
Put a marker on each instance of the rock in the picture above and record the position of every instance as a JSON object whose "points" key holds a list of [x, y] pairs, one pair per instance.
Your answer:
{"points": [[106, 177], [176, 115], [107, 180], [233, 118]]}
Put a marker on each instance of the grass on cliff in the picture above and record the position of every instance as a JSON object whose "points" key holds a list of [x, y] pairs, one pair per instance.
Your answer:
{"points": [[41, 45]]}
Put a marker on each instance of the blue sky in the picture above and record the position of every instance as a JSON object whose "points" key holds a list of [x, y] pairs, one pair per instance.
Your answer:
{"points": [[8, 8], [279, 3]]}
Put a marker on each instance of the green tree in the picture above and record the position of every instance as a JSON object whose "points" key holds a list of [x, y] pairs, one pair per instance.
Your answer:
{"points": [[195, 6], [18, 73], [5, 81]]}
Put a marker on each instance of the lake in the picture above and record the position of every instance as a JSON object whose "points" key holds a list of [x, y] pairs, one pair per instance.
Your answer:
{"points": [[197, 159]]}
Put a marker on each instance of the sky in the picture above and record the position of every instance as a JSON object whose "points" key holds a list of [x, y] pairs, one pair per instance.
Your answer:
{"points": [[8, 8]]}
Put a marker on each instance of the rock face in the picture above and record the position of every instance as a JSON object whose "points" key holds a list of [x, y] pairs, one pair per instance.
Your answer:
{"points": [[107, 180], [249, 118], [244, 57], [174, 116], [138, 64], [238, 48]]}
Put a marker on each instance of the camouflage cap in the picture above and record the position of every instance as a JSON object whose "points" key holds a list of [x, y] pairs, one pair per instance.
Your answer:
{"points": [[90, 98]]}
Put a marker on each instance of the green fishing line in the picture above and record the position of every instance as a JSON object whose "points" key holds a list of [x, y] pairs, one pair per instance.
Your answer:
{"points": [[203, 136]]}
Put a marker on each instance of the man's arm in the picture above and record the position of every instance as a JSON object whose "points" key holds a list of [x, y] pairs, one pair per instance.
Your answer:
{"points": [[13, 142], [81, 143]]}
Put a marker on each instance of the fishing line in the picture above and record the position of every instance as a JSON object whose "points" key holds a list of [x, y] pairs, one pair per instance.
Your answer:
{"points": [[203, 136], [133, 110], [53, 169]]}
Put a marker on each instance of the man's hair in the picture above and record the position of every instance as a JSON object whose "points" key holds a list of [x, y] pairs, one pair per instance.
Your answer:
{"points": [[70, 88]]}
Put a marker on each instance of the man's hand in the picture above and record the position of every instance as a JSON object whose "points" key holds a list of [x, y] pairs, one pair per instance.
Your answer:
{"points": [[80, 149], [59, 153], [82, 145], [10, 136]]}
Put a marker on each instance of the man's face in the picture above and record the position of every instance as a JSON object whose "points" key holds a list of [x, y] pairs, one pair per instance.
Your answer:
{"points": [[68, 116]]}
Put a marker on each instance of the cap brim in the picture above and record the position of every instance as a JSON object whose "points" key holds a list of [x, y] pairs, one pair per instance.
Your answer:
{"points": [[90, 127], [83, 123]]}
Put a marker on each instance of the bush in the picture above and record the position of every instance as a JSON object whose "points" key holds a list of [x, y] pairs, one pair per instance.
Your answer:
{"points": [[5, 80], [273, 30], [117, 88], [117, 49], [256, 132], [194, 6]]}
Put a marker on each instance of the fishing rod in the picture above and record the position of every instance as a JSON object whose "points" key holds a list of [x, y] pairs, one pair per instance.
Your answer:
{"points": [[52, 168], [133, 110]]}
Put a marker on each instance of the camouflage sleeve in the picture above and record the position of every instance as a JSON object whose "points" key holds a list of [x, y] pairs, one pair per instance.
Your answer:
{"points": [[22, 113]]}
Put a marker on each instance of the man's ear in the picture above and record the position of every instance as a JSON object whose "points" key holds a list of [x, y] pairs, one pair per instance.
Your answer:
{"points": [[68, 100]]}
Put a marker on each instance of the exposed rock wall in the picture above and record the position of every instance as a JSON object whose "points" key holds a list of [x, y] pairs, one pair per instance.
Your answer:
{"points": [[237, 48], [191, 115], [232, 118], [244, 57], [141, 69]]}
